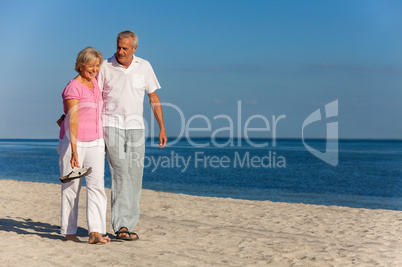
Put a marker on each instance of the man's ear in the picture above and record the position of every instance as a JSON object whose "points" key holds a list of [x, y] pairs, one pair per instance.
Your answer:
{"points": [[135, 48]]}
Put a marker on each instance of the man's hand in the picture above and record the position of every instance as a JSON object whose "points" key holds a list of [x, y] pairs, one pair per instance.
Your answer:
{"points": [[59, 122], [162, 139]]}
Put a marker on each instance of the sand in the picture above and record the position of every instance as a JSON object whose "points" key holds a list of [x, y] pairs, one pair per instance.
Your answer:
{"points": [[182, 230]]}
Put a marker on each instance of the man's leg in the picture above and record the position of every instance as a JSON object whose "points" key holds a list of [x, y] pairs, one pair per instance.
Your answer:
{"points": [[136, 147], [124, 156]]}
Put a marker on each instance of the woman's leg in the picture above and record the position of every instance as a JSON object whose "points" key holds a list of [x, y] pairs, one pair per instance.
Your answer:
{"points": [[69, 191], [96, 196]]}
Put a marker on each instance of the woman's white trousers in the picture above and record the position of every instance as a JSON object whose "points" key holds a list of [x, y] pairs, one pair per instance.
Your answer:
{"points": [[90, 154]]}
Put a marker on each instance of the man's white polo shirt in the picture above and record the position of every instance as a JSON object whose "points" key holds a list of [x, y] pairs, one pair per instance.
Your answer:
{"points": [[123, 92]]}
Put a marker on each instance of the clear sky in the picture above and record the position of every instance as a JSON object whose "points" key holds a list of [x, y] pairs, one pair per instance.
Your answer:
{"points": [[276, 57]]}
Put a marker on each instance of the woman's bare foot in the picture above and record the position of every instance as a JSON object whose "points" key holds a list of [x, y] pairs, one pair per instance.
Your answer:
{"points": [[96, 237], [73, 238]]}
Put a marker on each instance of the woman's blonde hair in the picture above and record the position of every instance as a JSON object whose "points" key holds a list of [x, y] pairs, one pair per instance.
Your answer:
{"points": [[87, 56]]}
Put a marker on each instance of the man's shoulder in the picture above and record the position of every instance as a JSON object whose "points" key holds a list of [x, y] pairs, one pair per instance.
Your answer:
{"points": [[141, 60], [108, 64], [110, 60]]}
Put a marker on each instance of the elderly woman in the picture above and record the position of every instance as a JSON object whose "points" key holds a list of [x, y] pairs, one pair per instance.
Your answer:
{"points": [[81, 145]]}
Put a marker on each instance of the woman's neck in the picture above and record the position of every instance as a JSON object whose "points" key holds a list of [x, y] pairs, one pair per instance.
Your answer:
{"points": [[84, 81]]}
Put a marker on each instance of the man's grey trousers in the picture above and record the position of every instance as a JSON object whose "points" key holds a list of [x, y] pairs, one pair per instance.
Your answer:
{"points": [[125, 151]]}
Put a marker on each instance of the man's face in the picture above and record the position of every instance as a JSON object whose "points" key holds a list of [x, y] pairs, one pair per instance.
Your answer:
{"points": [[125, 50]]}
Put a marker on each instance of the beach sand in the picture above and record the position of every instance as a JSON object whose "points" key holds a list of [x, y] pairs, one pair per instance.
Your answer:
{"points": [[182, 230]]}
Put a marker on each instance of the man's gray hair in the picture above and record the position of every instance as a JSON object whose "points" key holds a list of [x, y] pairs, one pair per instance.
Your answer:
{"points": [[128, 34]]}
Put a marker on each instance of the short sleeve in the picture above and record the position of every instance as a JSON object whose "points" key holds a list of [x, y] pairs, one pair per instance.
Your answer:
{"points": [[151, 81], [100, 76], [72, 91]]}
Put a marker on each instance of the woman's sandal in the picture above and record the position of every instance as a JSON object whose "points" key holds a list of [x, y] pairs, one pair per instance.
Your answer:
{"points": [[75, 174]]}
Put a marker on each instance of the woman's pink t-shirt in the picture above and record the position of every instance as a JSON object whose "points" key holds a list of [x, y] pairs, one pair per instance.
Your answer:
{"points": [[90, 104]]}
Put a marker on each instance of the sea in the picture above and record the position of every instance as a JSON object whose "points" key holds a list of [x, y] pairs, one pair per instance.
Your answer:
{"points": [[367, 173]]}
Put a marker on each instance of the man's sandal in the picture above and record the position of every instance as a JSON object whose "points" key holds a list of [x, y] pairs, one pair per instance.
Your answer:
{"points": [[127, 238]]}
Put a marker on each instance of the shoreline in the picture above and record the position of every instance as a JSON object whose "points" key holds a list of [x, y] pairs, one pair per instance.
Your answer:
{"points": [[181, 230], [323, 199]]}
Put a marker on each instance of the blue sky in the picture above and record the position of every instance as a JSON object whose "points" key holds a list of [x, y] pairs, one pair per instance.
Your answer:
{"points": [[276, 57]]}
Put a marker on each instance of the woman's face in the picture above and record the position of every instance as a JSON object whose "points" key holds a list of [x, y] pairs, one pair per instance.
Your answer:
{"points": [[89, 71]]}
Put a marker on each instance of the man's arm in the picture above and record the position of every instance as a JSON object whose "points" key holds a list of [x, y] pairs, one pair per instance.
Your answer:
{"points": [[156, 106]]}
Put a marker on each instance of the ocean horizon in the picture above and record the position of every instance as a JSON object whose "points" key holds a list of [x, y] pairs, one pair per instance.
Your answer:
{"points": [[368, 175]]}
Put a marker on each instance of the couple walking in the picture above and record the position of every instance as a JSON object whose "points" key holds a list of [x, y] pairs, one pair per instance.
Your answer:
{"points": [[103, 109]]}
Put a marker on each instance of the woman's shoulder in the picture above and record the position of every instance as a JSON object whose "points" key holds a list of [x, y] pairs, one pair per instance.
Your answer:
{"points": [[73, 83], [73, 89]]}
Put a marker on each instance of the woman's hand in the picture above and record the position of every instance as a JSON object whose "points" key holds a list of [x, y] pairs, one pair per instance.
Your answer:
{"points": [[74, 160]]}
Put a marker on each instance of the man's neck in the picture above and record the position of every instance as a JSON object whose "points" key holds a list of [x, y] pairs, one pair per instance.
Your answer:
{"points": [[127, 64]]}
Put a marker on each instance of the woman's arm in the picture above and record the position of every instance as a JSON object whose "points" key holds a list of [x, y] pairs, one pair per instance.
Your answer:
{"points": [[72, 115]]}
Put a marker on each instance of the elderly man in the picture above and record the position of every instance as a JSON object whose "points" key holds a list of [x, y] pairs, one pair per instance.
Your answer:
{"points": [[124, 79]]}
